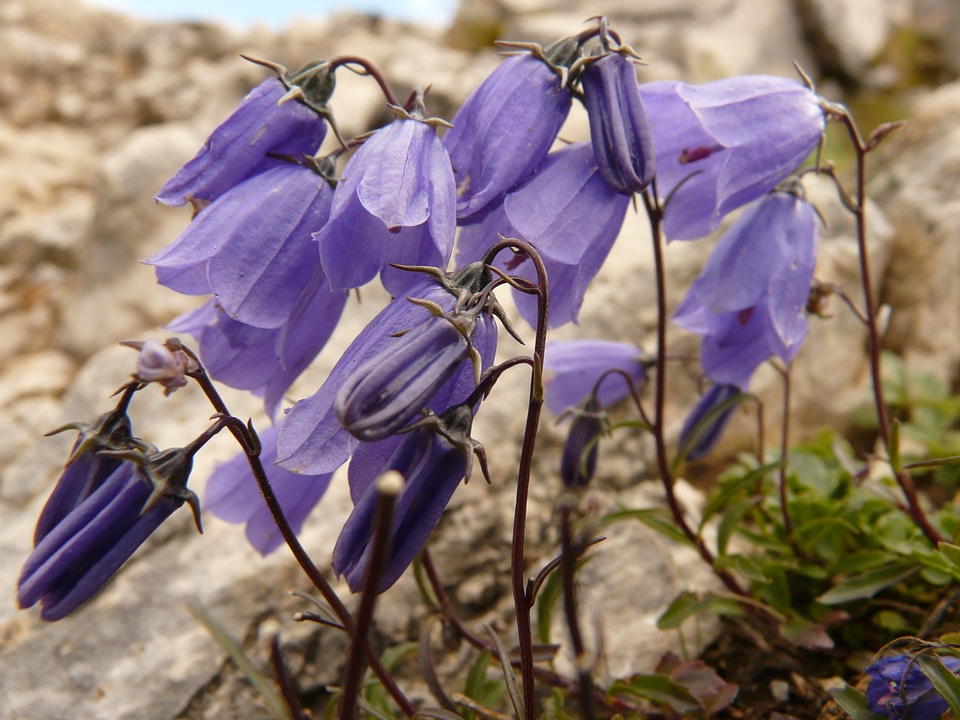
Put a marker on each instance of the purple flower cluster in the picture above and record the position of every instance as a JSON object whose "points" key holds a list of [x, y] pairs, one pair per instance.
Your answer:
{"points": [[279, 237], [900, 690]]}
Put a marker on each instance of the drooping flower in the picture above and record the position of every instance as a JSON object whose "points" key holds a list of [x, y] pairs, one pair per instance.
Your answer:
{"points": [[569, 214], [395, 204], [265, 362], [578, 463], [504, 129], [163, 363], [390, 388], [88, 468], [578, 365], [243, 144], [313, 441], [707, 421], [253, 247], [900, 690], [725, 143], [77, 556], [620, 131], [432, 468], [233, 495], [749, 301]]}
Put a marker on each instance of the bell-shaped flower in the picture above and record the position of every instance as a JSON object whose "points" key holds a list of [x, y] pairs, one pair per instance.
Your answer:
{"points": [[88, 468], [432, 462], [232, 494], [705, 424], [395, 204], [900, 689], [242, 146], [390, 388], [578, 463], [577, 367], [569, 214], [312, 440], [77, 557], [750, 299], [619, 128], [253, 248], [504, 129], [725, 143], [265, 362]]}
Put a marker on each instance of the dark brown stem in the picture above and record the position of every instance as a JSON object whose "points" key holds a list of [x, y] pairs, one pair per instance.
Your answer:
{"points": [[570, 552], [368, 69], [883, 412], [388, 487], [655, 216]]}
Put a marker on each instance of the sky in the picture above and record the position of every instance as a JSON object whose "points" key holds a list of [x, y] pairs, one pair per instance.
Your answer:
{"points": [[277, 13]]}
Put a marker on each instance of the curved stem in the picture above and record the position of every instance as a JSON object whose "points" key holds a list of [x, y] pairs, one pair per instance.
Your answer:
{"points": [[883, 412]]}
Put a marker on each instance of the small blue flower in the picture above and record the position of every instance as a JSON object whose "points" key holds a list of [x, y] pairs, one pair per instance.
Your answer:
{"points": [[578, 463], [569, 214], [312, 439], [233, 495], [504, 129], [432, 468], [253, 247], [391, 387], [750, 299], [899, 689], [239, 147], [77, 556], [700, 431], [619, 128], [725, 143], [578, 365], [395, 204]]}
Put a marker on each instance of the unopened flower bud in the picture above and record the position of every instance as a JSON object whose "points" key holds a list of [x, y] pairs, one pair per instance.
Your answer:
{"points": [[619, 129], [579, 460]]}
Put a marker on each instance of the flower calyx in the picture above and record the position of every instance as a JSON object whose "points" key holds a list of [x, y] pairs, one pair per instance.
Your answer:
{"points": [[455, 425]]}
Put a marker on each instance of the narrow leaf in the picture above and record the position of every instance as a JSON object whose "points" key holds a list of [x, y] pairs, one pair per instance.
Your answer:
{"points": [[511, 680], [867, 584], [659, 689], [854, 703], [944, 681]]}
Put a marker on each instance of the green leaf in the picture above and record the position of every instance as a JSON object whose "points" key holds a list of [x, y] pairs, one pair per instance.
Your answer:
{"points": [[854, 703], [264, 685], [655, 518], [658, 689], [547, 600], [731, 489], [746, 566], [477, 676], [509, 678], [687, 605], [729, 523], [950, 552], [944, 681], [867, 584]]}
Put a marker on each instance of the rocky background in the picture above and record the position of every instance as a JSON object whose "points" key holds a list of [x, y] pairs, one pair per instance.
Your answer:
{"points": [[98, 109]]}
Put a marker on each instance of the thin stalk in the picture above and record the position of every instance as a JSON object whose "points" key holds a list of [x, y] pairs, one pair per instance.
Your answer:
{"points": [[859, 211], [388, 488], [570, 552], [655, 217]]}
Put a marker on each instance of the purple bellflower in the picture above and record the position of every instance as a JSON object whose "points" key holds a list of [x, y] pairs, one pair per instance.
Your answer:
{"points": [[265, 362], [87, 468], [578, 463], [76, 558], [578, 365], [900, 690], [253, 247], [387, 391], [570, 214], [432, 463], [707, 421], [233, 495], [312, 440], [750, 299], [395, 204], [725, 143], [619, 128], [504, 129], [263, 125]]}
